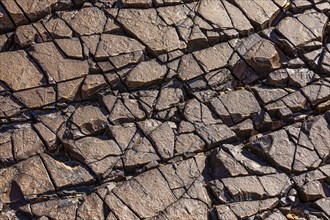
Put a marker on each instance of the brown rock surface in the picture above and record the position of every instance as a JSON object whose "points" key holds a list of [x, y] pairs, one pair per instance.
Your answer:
{"points": [[145, 74], [147, 27], [55, 65], [38, 9], [164, 109], [18, 72]]}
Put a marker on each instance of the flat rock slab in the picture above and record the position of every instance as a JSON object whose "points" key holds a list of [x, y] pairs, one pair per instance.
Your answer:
{"points": [[145, 74], [18, 71], [147, 27], [114, 45], [87, 21], [35, 10], [55, 65]]}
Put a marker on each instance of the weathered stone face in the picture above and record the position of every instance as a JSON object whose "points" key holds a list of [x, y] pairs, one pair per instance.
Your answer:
{"points": [[55, 65], [149, 28], [114, 45], [35, 10], [87, 21], [145, 74], [18, 71], [164, 109]]}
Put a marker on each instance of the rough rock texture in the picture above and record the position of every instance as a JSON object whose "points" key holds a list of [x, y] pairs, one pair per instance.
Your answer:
{"points": [[165, 109]]}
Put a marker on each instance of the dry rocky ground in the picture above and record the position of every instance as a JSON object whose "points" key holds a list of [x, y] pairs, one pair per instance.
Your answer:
{"points": [[165, 109]]}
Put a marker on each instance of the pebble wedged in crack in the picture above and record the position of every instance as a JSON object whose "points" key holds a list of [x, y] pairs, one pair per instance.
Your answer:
{"points": [[165, 109]]}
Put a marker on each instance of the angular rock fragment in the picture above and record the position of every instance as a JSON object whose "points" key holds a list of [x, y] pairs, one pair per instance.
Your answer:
{"points": [[237, 105], [198, 112], [263, 56], [164, 109], [127, 59], [114, 45], [224, 212], [86, 21], [170, 95], [15, 12], [35, 10], [134, 106], [295, 101], [55, 65], [18, 71], [119, 113], [9, 107], [215, 134], [268, 95], [117, 207], [317, 93], [25, 35], [92, 207], [214, 57], [215, 12], [57, 28], [91, 42], [4, 41], [7, 176], [139, 152], [158, 38], [136, 3], [71, 47], [319, 60], [145, 74], [43, 32], [56, 208], [26, 143], [37, 98], [312, 190], [244, 128], [250, 161], [189, 68], [89, 119], [186, 208], [317, 130], [66, 173], [224, 165], [249, 208], [275, 184], [69, 90], [174, 15], [5, 22], [138, 192], [123, 138], [220, 80], [260, 13], [324, 205], [315, 22], [308, 27], [30, 182], [92, 84], [244, 188], [305, 159], [47, 136], [239, 20], [52, 120], [300, 77], [91, 149], [187, 143], [277, 147], [180, 175], [164, 139], [6, 155]]}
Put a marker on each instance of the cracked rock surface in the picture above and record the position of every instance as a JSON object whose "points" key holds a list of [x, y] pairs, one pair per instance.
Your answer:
{"points": [[165, 109]]}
